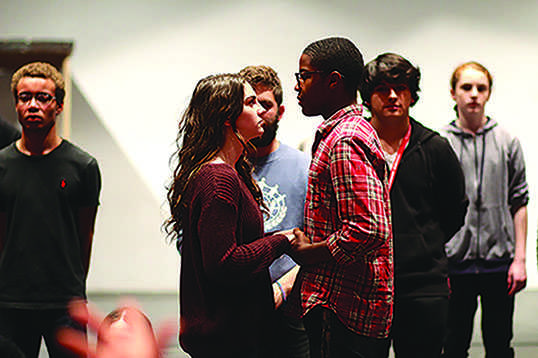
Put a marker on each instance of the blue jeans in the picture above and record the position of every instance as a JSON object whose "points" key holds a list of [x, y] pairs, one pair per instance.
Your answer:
{"points": [[497, 315], [25, 327], [329, 338]]}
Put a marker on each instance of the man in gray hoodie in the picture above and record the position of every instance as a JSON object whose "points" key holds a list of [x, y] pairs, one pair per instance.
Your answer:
{"points": [[487, 256]]}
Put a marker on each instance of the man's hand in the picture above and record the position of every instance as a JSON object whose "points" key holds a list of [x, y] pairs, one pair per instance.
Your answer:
{"points": [[517, 277], [306, 253], [300, 241], [299, 245], [126, 332]]}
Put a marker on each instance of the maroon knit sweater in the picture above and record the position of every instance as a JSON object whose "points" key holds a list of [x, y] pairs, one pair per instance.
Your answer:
{"points": [[225, 290]]}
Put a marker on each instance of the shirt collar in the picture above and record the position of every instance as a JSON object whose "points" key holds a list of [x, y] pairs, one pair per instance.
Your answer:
{"points": [[326, 126]]}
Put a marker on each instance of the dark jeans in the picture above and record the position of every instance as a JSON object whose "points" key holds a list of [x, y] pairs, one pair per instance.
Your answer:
{"points": [[25, 327], [497, 315], [285, 338], [330, 338], [419, 327], [291, 340]]}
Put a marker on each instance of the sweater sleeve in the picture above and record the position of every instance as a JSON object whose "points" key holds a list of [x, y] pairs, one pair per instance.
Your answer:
{"points": [[220, 222]]}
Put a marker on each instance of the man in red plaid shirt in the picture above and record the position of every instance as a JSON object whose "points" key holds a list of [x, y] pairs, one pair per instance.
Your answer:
{"points": [[344, 288]]}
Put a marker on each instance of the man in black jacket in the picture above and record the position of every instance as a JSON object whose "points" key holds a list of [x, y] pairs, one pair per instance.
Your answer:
{"points": [[428, 201]]}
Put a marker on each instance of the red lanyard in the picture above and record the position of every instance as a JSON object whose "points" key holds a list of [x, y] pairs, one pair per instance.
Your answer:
{"points": [[403, 144]]}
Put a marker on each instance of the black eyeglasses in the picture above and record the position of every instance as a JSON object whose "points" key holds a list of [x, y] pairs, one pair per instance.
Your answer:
{"points": [[303, 75], [41, 97]]}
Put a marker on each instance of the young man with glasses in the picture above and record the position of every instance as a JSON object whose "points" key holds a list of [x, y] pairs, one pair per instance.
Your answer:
{"points": [[344, 286], [49, 193], [428, 203]]}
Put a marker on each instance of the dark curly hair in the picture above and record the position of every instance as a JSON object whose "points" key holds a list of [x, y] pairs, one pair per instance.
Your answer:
{"points": [[215, 100], [389, 68]]}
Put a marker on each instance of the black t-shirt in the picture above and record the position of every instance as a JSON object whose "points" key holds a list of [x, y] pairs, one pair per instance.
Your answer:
{"points": [[41, 263], [8, 134]]}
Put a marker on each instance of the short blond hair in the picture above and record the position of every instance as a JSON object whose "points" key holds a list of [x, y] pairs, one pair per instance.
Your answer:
{"points": [[42, 70]]}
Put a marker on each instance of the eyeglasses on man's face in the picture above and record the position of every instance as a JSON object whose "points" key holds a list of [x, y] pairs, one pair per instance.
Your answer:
{"points": [[41, 98], [304, 75]]}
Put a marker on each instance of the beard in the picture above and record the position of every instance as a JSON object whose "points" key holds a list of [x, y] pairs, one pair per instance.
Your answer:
{"points": [[269, 134]]}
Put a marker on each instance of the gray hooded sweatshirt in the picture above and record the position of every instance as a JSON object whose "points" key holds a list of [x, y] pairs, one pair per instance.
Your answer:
{"points": [[494, 168]]}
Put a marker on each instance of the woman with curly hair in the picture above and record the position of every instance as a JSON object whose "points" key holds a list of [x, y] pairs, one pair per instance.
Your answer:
{"points": [[226, 297]]}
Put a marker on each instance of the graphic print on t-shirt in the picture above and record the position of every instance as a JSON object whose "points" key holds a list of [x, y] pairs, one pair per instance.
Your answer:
{"points": [[276, 202]]}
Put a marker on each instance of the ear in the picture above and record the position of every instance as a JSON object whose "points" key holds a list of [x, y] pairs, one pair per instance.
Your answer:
{"points": [[335, 79], [453, 94], [281, 110], [59, 108]]}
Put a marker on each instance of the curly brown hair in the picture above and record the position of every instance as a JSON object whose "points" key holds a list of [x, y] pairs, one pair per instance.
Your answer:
{"points": [[264, 76], [42, 70], [215, 100]]}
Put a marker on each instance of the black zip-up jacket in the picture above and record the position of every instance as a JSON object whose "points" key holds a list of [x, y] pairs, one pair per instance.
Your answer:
{"points": [[428, 207]]}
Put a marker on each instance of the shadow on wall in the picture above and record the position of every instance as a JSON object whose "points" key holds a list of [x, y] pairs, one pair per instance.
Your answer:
{"points": [[128, 243]]}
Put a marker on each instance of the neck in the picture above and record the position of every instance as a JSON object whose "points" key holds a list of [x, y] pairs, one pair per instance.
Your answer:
{"points": [[231, 150], [265, 151], [37, 142], [390, 131], [340, 101], [471, 123]]}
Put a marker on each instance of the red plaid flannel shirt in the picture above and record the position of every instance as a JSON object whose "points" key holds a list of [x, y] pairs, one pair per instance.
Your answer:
{"points": [[348, 205]]}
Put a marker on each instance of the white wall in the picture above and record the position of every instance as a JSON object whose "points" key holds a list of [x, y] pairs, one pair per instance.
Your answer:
{"points": [[137, 63]]}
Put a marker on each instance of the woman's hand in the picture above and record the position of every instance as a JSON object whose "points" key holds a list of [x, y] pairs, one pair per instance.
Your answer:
{"points": [[288, 233], [282, 291]]}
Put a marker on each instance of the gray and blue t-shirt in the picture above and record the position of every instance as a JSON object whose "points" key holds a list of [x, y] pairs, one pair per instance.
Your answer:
{"points": [[283, 177]]}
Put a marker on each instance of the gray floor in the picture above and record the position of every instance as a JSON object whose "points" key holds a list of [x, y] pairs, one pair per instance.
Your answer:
{"points": [[525, 340]]}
